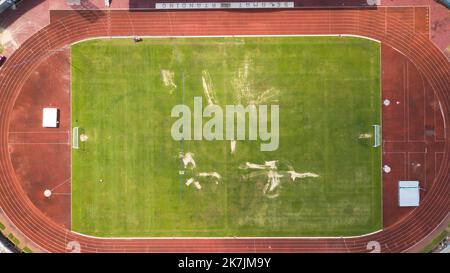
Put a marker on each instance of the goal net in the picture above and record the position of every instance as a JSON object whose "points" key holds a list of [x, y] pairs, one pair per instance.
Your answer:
{"points": [[75, 138], [377, 135]]}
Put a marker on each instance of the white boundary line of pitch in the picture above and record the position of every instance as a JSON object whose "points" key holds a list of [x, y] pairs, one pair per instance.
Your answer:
{"points": [[229, 237], [71, 137], [380, 70], [224, 36]]}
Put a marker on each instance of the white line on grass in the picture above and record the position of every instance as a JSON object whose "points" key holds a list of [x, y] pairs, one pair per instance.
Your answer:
{"points": [[220, 36]]}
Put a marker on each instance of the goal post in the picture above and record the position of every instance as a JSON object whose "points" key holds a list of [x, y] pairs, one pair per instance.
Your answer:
{"points": [[377, 135], [75, 138]]}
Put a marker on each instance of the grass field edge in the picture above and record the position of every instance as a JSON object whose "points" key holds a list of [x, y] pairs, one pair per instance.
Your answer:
{"points": [[228, 237], [224, 36], [381, 227]]}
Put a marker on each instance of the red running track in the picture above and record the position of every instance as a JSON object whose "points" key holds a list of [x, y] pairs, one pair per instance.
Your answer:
{"points": [[384, 24]]}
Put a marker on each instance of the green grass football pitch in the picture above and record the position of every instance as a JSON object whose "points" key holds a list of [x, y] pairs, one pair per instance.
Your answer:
{"points": [[128, 179]]}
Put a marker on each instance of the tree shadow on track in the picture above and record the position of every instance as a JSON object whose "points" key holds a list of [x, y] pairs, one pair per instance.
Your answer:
{"points": [[10, 16], [89, 11], [86, 10]]}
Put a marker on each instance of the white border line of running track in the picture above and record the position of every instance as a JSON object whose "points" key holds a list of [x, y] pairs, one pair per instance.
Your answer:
{"points": [[231, 238]]}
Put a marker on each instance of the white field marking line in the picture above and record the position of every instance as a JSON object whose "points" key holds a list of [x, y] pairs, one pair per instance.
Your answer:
{"points": [[226, 36], [411, 60], [358, 20], [131, 22], [405, 103], [424, 104], [425, 109], [219, 36], [437, 167], [407, 165], [434, 111], [407, 100], [428, 23], [50, 133], [380, 72], [345, 244], [443, 119], [401, 141], [15, 227], [424, 165], [435, 97], [60, 184], [170, 22], [228, 238], [39, 143], [20, 132], [70, 132]]}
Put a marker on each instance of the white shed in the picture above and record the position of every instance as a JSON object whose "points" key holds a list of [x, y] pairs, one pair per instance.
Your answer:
{"points": [[50, 117], [408, 193]]}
